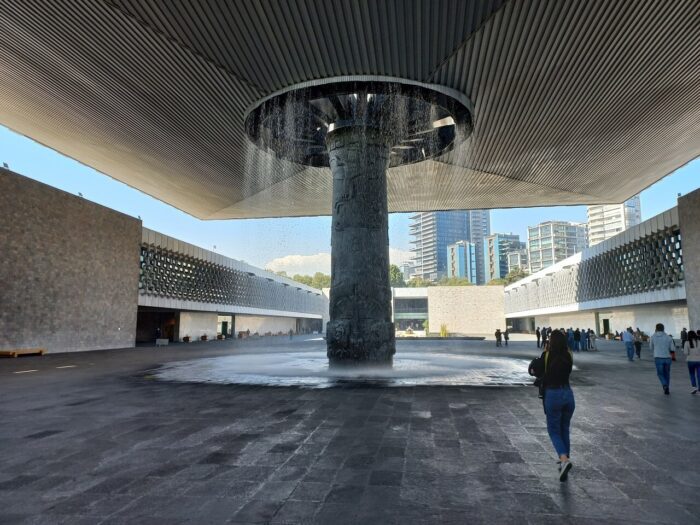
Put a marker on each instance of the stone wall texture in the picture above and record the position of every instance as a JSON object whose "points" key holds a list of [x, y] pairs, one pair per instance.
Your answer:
{"points": [[468, 310], [566, 320], [69, 270], [689, 217]]}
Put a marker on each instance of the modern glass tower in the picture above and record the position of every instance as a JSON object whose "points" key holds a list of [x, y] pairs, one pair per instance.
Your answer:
{"points": [[497, 248], [433, 232], [461, 260]]}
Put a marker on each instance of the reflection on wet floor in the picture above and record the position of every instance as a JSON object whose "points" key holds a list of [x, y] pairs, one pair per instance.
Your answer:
{"points": [[310, 369]]}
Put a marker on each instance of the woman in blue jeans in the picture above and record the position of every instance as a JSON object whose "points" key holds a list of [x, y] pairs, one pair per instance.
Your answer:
{"points": [[559, 404]]}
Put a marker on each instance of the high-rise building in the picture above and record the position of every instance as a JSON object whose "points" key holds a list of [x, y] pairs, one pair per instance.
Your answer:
{"points": [[407, 270], [553, 241], [479, 228], [518, 260], [605, 221], [461, 260], [497, 247], [432, 232]]}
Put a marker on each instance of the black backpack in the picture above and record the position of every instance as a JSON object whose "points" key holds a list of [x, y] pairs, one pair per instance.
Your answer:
{"points": [[537, 367]]}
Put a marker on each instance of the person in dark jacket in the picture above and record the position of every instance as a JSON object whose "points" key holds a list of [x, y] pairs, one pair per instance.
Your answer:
{"points": [[498, 336], [506, 336], [577, 340], [538, 334], [559, 403]]}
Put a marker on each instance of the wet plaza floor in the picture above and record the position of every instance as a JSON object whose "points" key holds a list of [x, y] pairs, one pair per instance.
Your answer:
{"points": [[97, 438]]}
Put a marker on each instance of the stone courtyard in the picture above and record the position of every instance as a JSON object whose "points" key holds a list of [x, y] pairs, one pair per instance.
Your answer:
{"points": [[93, 438]]}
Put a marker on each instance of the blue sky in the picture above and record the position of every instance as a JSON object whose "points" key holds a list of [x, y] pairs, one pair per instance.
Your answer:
{"points": [[294, 244]]}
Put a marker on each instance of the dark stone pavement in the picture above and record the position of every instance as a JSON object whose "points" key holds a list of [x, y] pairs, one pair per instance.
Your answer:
{"points": [[104, 443]]}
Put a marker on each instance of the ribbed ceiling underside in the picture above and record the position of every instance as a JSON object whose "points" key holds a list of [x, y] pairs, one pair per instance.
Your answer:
{"points": [[574, 102]]}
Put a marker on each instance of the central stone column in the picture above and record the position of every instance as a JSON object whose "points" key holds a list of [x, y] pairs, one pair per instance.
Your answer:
{"points": [[360, 327]]}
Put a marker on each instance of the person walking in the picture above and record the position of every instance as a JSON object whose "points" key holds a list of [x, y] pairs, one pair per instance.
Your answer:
{"points": [[538, 334], [628, 339], [638, 339], [591, 340], [559, 403], [498, 336], [684, 338], [506, 336], [693, 359], [661, 346]]}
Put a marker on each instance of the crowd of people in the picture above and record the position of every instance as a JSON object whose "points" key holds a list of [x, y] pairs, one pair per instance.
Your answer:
{"points": [[576, 339]]}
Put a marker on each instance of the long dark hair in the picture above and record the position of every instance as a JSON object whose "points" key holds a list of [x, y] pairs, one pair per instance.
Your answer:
{"points": [[558, 346]]}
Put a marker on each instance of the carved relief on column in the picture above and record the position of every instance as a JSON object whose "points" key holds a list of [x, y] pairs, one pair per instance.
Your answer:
{"points": [[360, 328]]}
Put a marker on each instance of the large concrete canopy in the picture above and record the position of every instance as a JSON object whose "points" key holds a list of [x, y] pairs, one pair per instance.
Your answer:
{"points": [[573, 102]]}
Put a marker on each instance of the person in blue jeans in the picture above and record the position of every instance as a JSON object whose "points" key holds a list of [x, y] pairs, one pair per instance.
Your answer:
{"points": [[559, 404], [662, 345], [628, 339], [693, 353]]}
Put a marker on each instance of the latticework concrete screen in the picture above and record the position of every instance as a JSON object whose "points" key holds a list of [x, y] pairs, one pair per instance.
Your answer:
{"points": [[211, 278], [646, 258]]}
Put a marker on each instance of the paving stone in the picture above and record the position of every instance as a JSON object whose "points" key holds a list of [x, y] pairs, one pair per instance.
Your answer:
{"points": [[131, 449], [257, 511]]}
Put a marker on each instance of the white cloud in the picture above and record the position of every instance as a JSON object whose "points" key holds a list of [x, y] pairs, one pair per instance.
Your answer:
{"points": [[301, 264], [321, 262]]}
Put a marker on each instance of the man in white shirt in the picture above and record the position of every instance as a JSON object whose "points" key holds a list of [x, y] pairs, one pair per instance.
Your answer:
{"points": [[662, 345], [628, 339]]}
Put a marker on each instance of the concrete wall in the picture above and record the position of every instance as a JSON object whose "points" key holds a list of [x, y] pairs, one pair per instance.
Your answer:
{"points": [[197, 324], [469, 310], [571, 319], [674, 316], [262, 325], [689, 217], [69, 270]]}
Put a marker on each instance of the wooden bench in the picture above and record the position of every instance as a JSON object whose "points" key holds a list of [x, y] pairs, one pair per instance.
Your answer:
{"points": [[22, 351]]}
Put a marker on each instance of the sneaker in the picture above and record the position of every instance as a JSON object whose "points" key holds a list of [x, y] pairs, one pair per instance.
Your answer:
{"points": [[564, 469], [666, 391], [694, 391]]}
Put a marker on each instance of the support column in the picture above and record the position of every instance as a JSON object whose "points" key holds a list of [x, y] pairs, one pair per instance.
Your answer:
{"points": [[689, 219], [360, 327]]}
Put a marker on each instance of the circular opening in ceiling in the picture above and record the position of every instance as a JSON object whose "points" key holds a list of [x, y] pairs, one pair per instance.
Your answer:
{"points": [[417, 121]]}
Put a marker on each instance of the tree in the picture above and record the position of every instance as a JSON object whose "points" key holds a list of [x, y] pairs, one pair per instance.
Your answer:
{"points": [[318, 280], [419, 282], [303, 279], [282, 273], [515, 275], [454, 281], [396, 277], [321, 280]]}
